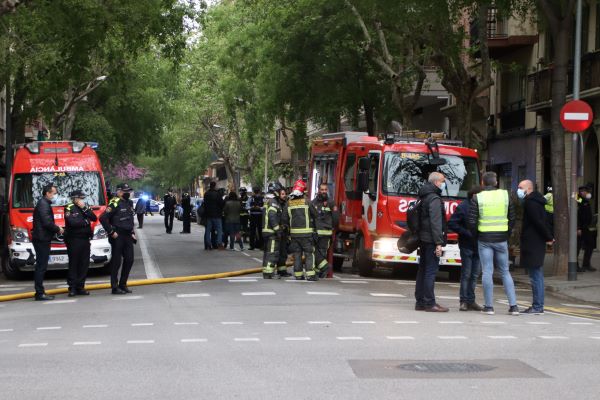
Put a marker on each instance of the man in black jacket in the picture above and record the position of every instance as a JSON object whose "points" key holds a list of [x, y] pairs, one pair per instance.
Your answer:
{"points": [[186, 206], [42, 233], [327, 220], [535, 233], [469, 256], [78, 232], [169, 210], [585, 237], [213, 210], [432, 237]]}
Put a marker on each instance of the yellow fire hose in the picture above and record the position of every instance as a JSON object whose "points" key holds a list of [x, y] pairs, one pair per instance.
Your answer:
{"points": [[142, 282]]}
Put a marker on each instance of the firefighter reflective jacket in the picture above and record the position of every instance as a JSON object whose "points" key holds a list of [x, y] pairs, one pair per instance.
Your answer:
{"points": [[302, 216], [327, 216], [272, 217]]}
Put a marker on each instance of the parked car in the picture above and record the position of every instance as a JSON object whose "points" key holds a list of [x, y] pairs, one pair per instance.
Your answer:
{"points": [[179, 213], [155, 206]]}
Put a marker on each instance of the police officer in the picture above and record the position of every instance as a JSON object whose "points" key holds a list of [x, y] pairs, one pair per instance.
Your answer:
{"points": [[170, 202], [302, 216], [244, 214], [117, 220], [274, 232], [326, 221], [255, 205], [78, 232], [186, 206]]}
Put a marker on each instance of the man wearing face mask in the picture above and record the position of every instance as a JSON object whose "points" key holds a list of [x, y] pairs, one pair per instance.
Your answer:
{"points": [[585, 238], [432, 237], [78, 233], [117, 220], [326, 221], [492, 218], [535, 233], [42, 233]]}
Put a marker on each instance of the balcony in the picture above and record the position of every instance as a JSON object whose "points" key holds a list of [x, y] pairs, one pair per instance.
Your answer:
{"points": [[539, 84], [512, 117], [505, 35]]}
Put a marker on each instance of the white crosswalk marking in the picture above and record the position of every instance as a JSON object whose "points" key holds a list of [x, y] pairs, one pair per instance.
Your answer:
{"points": [[95, 326], [143, 324], [125, 298], [351, 282], [553, 337], [323, 293], [186, 295], [363, 322], [185, 323], [60, 302], [274, 322], [49, 328], [33, 344], [258, 293], [292, 339], [194, 340], [349, 338], [86, 343], [140, 341], [248, 339], [581, 323], [387, 295], [7, 330]]}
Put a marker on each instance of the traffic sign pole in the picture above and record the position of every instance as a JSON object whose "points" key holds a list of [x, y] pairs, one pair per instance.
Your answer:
{"points": [[572, 271]]}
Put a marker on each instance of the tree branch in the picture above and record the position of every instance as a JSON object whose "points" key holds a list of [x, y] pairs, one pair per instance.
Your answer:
{"points": [[10, 6]]}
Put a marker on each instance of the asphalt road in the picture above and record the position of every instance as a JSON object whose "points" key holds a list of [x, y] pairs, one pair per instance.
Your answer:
{"points": [[246, 338]]}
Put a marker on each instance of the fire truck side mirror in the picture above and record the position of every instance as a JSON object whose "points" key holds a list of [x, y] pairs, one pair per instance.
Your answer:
{"points": [[363, 181], [364, 163]]}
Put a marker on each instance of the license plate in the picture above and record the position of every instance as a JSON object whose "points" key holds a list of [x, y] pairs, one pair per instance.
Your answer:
{"points": [[59, 259]]}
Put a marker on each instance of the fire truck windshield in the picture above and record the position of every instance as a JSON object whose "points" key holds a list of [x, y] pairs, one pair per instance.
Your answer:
{"points": [[27, 188], [405, 173]]}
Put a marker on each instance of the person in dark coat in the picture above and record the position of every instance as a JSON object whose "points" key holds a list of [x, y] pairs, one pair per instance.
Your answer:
{"points": [[585, 237], [469, 254], [213, 211], [140, 210], [186, 206], [535, 233], [42, 233], [170, 202], [432, 237]]}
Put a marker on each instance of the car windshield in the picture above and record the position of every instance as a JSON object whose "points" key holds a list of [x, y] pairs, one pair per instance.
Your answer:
{"points": [[405, 173], [27, 188]]}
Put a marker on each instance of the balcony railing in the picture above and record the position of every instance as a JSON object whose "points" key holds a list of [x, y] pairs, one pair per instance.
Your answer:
{"points": [[539, 84], [512, 117], [497, 27]]}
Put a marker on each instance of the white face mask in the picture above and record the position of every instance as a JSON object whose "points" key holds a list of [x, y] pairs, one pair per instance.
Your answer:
{"points": [[443, 186], [54, 198], [521, 193], [588, 196]]}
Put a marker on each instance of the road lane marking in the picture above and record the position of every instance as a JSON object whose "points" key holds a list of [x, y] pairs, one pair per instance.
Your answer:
{"points": [[128, 298], [299, 281], [580, 306], [258, 293], [407, 283], [49, 328], [194, 340], [232, 323], [502, 337], [552, 337], [581, 323], [400, 337], [349, 338], [86, 343], [246, 254], [297, 339], [363, 322], [186, 295], [241, 280], [151, 268], [351, 282], [12, 289], [95, 326], [143, 324], [247, 339], [448, 297], [275, 322], [458, 337], [60, 301], [257, 260], [406, 322], [33, 344], [323, 293], [450, 322], [7, 330], [387, 295], [140, 341], [595, 337], [319, 322], [186, 323]]}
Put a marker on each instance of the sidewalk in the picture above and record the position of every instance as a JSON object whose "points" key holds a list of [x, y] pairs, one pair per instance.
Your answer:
{"points": [[586, 288]]}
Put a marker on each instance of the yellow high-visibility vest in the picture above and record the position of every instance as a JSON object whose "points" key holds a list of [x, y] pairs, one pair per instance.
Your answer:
{"points": [[549, 207], [493, 210]]}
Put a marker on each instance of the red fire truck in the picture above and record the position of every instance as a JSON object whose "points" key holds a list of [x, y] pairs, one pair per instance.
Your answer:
{"points": [[374, 181], [69, 166]]}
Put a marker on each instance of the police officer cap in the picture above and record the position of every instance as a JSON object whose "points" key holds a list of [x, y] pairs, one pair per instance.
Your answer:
{"points": [[275, 187], [77, 194], [585, 188], [243, 190], [124, 187]]}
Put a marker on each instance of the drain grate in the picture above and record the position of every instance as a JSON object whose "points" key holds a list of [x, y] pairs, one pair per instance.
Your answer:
{"points": [[446, 367]]}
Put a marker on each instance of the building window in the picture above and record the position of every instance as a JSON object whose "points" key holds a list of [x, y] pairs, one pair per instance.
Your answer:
{"points": [[278, 140]]}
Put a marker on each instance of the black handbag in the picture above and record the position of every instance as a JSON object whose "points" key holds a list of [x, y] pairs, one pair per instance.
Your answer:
{"points": [[408, 242]]}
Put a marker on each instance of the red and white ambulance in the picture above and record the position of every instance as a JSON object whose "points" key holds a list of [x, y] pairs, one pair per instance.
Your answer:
{"points": [[69, 165], [374, 181]]}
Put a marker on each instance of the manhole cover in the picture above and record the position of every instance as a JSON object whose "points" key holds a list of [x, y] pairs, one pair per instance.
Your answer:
{"points": [[446, 367]]}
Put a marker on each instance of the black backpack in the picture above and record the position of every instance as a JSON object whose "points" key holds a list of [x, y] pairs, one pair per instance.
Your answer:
{"points": [[413, 217]]}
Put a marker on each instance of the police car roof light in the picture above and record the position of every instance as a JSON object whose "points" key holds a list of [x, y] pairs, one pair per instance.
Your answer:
{"points": [[33, 147], [78, 146]]}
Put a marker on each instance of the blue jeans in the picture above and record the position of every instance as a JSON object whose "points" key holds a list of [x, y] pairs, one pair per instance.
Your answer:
{"points": [[469, 273], [536, 277], [490, 254], [213, 223], [429, 264]]}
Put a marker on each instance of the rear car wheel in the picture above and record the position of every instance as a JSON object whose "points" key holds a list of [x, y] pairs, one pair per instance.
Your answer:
{"points": [[10, 271], [362, 258]]}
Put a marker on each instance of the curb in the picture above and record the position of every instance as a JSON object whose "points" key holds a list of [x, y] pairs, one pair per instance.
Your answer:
{"points": [[141, 282]]}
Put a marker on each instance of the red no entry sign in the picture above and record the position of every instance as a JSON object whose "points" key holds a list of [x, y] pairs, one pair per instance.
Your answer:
{"points": [[576, 116]]}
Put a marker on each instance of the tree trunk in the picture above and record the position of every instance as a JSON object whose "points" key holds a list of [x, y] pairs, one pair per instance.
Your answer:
{"points": [[369, 119], [559, 179], [70, 122], [230, 175], [464, 109]]}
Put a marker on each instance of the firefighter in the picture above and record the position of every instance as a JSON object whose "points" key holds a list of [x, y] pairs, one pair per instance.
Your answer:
{"points": [[274, 232], [255, 206], [78, 233], [117, 220], [244, 214], [302, 216], [326, 222]]}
